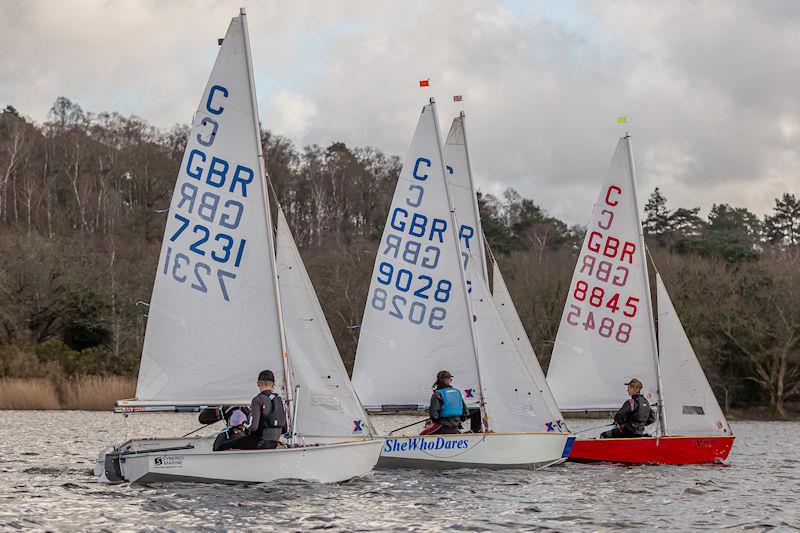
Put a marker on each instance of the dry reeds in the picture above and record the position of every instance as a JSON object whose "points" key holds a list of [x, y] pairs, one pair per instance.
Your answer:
{"points": [[91, 393]]}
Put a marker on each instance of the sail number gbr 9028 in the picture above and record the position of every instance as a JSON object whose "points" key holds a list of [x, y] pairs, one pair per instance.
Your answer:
{"points": [[601, 305], [407, 287], [207, 220]]}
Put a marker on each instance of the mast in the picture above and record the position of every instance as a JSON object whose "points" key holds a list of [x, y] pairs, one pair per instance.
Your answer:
{"points": [[270, 237], [662, 419], [478, 229], [462, 274]]}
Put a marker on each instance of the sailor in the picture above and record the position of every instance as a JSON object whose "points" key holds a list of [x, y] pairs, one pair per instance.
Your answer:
{"points": [[447, 408], [212, 415], [267, 415], [233, 434], [633, 416]]}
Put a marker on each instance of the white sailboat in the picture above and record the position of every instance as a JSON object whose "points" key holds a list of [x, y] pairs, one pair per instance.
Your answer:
{"points": [[429, 308], [219, 313], [607, 336]]}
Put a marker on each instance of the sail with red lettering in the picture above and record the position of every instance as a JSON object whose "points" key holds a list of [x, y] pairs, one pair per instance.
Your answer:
{"points": [[606, 335], [416, 320], [690, 406], [212, 322]]}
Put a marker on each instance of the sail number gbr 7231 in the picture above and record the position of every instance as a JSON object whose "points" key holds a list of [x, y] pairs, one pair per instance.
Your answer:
{"points": [[204, 249]]}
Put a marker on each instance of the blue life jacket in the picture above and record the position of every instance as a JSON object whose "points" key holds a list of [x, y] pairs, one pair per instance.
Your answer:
{"points": [[453, 404]]}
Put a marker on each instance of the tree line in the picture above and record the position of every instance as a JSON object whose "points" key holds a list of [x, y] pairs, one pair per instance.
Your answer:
{"points": [[82, 211]]}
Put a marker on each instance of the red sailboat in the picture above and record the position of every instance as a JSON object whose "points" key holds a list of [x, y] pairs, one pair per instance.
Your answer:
{"points": [[607, 336]]}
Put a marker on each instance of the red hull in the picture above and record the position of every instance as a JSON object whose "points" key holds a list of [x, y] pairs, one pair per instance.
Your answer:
{"points": [[664, 450]]}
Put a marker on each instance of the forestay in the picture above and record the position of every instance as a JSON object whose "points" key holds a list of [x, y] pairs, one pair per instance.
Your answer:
{"points": [[606, 334], [416, 317], [327, 404], [508, 312], [514, 402], [213, 318], [691, 407]]}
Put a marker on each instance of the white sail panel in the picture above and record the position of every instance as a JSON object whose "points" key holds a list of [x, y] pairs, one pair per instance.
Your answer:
{"points": [[690, 405], [508, 312], [605, 337], [212, 322], [514, 402], [328, 405], [464, 198], [416, 319]]}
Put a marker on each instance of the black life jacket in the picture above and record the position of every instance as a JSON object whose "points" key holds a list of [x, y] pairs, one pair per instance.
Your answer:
{"points": [[640, 414]]}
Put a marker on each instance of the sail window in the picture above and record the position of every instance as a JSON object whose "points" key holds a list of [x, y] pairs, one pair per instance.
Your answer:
{"points": [[693, 410]]}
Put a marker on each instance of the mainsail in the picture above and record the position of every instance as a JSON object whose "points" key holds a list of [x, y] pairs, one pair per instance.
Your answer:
{"points": [[327, 403], [519, 398], [213, 322], [606, 335], [690, 405], [416, 320], [462, 190]]}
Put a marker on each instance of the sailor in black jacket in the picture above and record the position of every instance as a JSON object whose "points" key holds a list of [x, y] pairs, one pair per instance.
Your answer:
{"points": [[633, 416], [267, 415]]}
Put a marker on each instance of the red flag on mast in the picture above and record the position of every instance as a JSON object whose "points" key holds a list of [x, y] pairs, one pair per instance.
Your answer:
{"points": [[425, 83]]}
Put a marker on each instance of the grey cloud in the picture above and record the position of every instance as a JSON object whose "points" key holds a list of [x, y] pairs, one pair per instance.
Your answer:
{"points": [[710, 87]]}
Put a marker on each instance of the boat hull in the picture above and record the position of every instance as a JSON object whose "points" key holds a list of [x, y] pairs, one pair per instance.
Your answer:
{"points": [[475, 450], [154, 460], [678, 450]]}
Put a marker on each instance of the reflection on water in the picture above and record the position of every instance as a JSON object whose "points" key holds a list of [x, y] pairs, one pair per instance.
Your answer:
{"points": [[47, 482]]}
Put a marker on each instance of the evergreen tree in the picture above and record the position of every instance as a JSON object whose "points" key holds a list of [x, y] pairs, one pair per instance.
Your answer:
{"points": [[657, 220], [784, 226]]}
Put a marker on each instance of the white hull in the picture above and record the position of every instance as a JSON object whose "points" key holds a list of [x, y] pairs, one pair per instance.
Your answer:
{"points": [[475, 450], [151, 460]]}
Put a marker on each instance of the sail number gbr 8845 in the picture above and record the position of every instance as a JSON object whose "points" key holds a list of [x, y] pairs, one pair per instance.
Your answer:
{"points": [[208, 208], [408, 287], [598, 301]]}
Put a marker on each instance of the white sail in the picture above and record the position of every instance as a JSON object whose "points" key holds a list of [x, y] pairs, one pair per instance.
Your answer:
{"points": [[462, 190], [690, 405], [212, 320], [514, 402], [327, 404], [514, 385], [508, 312], [416, 317], [606, 335]]}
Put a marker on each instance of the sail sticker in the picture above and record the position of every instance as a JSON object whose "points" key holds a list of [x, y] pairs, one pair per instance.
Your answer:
{"points": [[357, 426]]}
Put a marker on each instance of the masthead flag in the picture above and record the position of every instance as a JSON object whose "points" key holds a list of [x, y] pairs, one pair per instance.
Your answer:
{"points": [[425, 83], [458, 98]]}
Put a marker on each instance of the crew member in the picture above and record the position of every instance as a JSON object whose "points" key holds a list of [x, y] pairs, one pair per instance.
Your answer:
{"points": [[633, 416], [233, 434], [267, 415], [447, 407]]}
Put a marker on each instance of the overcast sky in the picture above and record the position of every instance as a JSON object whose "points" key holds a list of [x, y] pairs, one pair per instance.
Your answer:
{"points": [[710, 88]]}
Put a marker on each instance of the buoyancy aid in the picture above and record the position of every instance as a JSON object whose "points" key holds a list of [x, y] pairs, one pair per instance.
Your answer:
{"points": [[452, 404], [273, 414], [640, 414]]}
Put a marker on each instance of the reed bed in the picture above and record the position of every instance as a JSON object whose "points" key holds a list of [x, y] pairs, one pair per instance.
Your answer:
{"points": [[90, 393]]}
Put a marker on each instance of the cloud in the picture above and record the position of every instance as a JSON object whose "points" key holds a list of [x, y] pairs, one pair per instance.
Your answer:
{"points": [[709, 87]]}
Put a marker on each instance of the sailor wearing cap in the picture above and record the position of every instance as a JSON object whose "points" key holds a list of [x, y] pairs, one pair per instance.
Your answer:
{"points": [[633, 416], [447, 408]]}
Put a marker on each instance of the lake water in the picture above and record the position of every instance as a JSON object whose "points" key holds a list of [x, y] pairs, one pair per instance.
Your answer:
{"points": [[47, 458]]}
